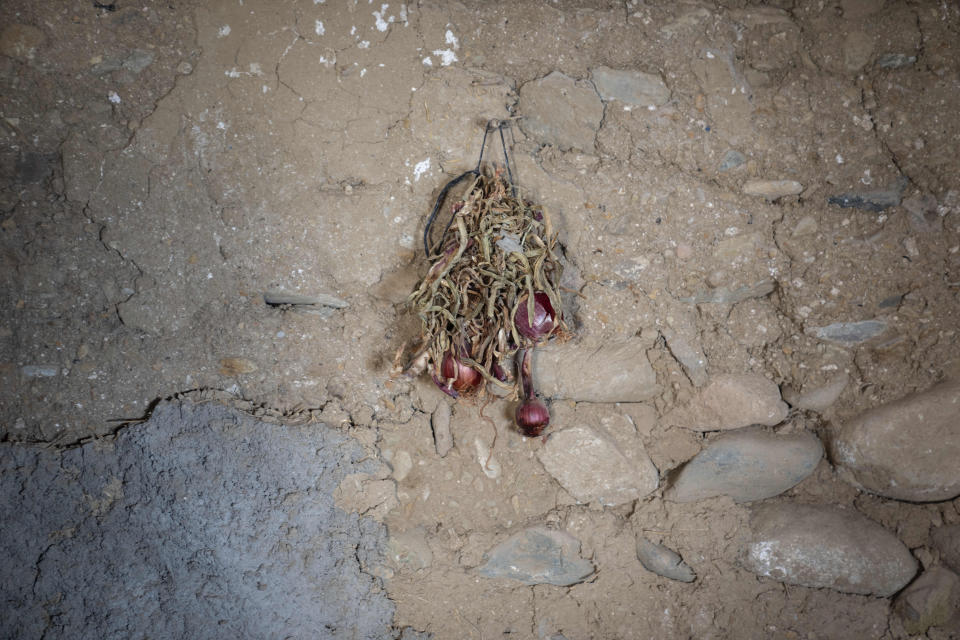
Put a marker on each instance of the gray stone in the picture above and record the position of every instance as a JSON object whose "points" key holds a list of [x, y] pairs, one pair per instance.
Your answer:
{"points": [[857, 50], [721, 295], [320, 299], [593, 467], [201, 523], [538, 555], [895, 60], [731, 401], [772, 189], [663, 561], [747, 464], [876, 200], [907, 449], [731, 159], [817, 546], [561, 111], [138, 60], [946, 540], [849, 333], [606, 372], [930, 601], [40, 371], [629, 86]]}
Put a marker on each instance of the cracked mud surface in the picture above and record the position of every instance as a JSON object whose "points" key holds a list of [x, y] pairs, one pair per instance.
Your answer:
{"points": [[170, 168]]}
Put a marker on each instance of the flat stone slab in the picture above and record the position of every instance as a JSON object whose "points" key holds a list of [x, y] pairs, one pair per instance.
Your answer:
{"points": [[747, 465], [630, 86], [818, 546], [908, 449], [201, 523], [538, 555], [561, 111], [731, 401], [593, 467], [608, 372]]}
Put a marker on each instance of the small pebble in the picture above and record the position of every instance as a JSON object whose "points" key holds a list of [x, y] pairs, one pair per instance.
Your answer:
{"points": [[663, 561], [772, 189]]}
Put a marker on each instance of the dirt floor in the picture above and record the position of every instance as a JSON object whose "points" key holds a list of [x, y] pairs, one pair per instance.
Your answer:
{"points": [[230, 196]]}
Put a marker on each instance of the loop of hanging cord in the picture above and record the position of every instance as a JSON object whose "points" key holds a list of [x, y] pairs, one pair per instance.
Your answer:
{"points": [[499, 125]]}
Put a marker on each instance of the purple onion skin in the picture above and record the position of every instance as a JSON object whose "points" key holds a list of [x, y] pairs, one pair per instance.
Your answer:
{"points": [[544, 317], [532, 417]]}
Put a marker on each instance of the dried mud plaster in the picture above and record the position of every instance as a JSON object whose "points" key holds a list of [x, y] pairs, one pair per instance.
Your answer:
{"points": [[191, 164]]}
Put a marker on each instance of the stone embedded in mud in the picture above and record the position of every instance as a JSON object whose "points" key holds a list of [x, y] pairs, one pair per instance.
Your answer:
{"points": [[818, 546], [663, 561], [607, 372], [946, 540], [772, 189], [440, 422], [876, 200], [930, 601], [731, 159], [895, 60], [747, 464], [849, 333], [538, 555], [907, 449], [630, 86], [562, 111], [593, 467], [731, 401], [821, 398]]}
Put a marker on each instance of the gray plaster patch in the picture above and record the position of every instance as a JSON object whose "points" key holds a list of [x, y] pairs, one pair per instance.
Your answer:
{"points": [[201, 523]]}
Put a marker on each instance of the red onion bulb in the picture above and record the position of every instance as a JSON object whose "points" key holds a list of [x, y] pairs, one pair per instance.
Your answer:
{"points": [[544, 317], [532, 417], [456, 375]]}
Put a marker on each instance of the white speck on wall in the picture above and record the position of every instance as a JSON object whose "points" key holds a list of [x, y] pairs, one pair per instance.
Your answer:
{"points": [[224, 31], [381, 16], [364, 44], [255, 68], [428, 62], [710, 55], [319, 1], [353, 30], [232, 73], [113, 97], [452, 39], [447, 56], [265, 88], [318, 27], [420, 169], [839, 159], [222, 125], [363, 72]]}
